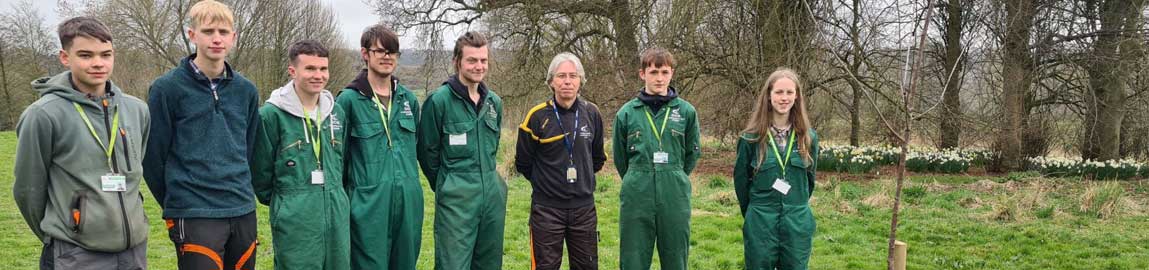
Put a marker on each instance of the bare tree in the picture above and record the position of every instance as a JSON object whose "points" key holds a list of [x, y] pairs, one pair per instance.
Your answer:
{"points": [[604, 32], [1114, 49], [25, 54], [950, 127], [863, 55]]}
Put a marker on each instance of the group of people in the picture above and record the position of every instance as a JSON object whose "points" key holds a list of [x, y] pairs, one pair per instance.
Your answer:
{"points": [[340, 173]]}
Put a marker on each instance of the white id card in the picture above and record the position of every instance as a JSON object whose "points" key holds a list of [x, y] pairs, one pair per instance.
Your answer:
{"points": [[458, 139], [114, 182], [317, 177], [661, 157], [781, 186], [572, 174]]}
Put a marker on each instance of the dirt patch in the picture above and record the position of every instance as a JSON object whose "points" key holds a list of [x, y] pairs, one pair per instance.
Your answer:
{"points": [[970, 202], [699, 213], [714, 161], [935, 187], [983, 186]]}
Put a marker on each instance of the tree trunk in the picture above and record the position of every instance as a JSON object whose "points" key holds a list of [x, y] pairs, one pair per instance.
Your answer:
{"points": [[856, 55], [951, 113], [1017, 74], [1108, 73], [9, 107]]}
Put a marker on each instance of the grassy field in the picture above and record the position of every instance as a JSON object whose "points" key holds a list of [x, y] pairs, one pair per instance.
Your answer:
{"points": [[1017, 221]]}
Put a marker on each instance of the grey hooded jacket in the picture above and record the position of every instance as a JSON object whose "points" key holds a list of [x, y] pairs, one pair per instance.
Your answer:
{"points": [[59, 165]]}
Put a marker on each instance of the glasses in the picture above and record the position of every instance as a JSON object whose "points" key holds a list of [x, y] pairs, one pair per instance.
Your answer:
{"points": [[564, 76], [385, 52]]}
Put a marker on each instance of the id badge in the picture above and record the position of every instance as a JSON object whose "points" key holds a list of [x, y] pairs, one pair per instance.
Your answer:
{"points": [[317, 177], [661, 157], [113, 182], [572, 174], [781, 186], [457, 139]]}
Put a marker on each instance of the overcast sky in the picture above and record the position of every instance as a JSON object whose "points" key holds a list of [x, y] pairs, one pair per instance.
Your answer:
{"points": [[353, 15]]}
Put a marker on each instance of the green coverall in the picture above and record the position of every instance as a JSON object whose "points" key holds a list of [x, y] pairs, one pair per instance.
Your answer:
{"points": [[383, 180], [457, 148], [655, 197], [309, 222], [779, 228]]}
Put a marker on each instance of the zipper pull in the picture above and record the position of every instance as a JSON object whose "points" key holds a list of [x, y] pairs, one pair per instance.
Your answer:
{"points": [[215, 95]]}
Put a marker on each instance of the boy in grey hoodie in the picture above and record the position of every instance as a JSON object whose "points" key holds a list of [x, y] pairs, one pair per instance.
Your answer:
{"points": [[297, 168], [78, 156]]}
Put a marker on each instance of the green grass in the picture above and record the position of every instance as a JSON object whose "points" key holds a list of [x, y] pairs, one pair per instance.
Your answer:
{"points": [[950, 222]]}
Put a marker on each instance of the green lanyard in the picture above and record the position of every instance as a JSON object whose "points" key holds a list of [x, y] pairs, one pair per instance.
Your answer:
{"points": [[789, 148], [385, 116], [657, 132], [314, 139], [111, 137]]}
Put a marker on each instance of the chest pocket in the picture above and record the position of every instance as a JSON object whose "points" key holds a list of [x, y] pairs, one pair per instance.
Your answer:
{"points": [[333, 137], [675, 127], [407, 124], [459, 140], [366, 131], [491, 142], [797, 164], [367, 138], [128, 138]]}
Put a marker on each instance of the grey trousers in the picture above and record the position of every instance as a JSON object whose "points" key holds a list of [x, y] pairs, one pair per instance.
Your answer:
{"points": [[64, 255]]}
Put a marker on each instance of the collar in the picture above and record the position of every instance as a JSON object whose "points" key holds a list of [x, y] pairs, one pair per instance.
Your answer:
{"points": [[362, 86], [460, 90], [574, 106], [199, 75], [108, 93]]}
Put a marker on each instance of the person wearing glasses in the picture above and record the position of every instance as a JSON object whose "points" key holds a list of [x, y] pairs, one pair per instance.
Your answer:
{"points": [[559, 150], [382, 171]]}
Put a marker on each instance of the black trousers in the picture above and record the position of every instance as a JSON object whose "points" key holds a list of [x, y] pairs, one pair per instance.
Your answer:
{"points": [[214, 243], [550, 227]]}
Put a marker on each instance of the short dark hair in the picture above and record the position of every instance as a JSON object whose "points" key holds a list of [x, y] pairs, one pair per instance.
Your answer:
{"points": [[656, 56], [469, 39], [382, 34], [306, 47], [82, 26]]}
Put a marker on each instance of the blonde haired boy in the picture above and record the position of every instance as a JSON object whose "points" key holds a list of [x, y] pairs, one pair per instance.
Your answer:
{"points": [[202, 135]]}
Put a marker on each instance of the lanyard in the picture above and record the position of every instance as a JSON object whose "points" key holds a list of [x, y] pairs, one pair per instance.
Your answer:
{"points": [[789, 148], [569, 143], [108, 149], [306, 134], [385, 116], [657, 133]]}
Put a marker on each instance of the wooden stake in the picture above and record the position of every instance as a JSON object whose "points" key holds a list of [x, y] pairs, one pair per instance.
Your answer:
{"points": [[900, 255]]}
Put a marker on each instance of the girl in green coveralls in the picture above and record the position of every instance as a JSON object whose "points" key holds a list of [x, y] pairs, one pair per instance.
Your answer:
{"points": [[774, 176]]}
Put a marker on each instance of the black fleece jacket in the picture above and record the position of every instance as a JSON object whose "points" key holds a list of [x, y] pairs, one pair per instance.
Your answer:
{"points": [[541, 154]]}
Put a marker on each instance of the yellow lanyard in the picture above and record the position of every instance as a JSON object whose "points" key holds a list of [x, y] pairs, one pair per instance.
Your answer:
{"points": [[654, 129], [108, 149], [385, 116], [314, 139], [778, 157]]}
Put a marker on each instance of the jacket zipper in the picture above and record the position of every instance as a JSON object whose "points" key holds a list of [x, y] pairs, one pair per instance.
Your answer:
{"points": [[115, 169], [127, 157], [215, 95], [77, 212]]}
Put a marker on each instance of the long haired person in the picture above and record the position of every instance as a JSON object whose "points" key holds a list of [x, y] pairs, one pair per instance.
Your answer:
{"points": [[774, 176]]}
